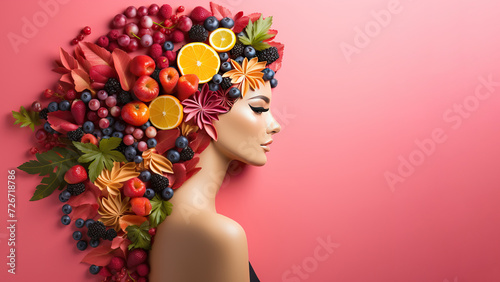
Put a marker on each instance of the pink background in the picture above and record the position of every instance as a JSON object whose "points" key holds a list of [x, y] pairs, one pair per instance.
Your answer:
{"points": [[346, 122]]}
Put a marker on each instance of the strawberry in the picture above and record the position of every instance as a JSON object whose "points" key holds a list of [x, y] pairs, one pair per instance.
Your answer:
{"points": [[76, 174], [141, 206], [143, 269], [78, 110], [155, 51], [136, 257], [105, 272], [199, 14], [116, 264]]}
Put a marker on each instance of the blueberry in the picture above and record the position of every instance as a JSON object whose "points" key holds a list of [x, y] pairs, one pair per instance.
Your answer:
{"points": [[86, 96], [135, 144], [213, 87], [64, 196], [88, 127], [79, 223], [88, 222], [66, 209], [181, 142], [117, 134], [240, 34], [130, 152], [138, 159], [81, 245], [94, 243], [239, 60], [226, 66], [234, 93], [274, 82], [211, 23], [77, 235], [65, 219], [111, 120], [94, 269], [146, 125], [53, 107], [107, 131], [47, 127], [150, 193], [227, 22], [168, 46], [64, 105], [223, 56], [217, 78], [120, 126], [151, 143], [106, 137], [167, 193], [145, 176], [268, 74], [173, 156], [249, 52], [97, 133]]}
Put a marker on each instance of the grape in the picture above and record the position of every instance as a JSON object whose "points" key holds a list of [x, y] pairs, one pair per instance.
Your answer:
{"points": [[102, 94], [131, 29], [111, 101], [184, 24], [159, 37], [146, 22], [119, 21], [103, 123], [146, 40], [102, 112], [92, 116], [144, 31], [123, 40], [142, 11], [94, 104], [151, 132], [153, 9], [36, 106], [138, 133], [128, 139], [133, 45], [131, 12], [142, 146], [129, 129], [115, 111]]}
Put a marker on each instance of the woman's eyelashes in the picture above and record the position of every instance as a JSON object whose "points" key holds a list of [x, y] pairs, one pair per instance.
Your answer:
{"points": [[259, 110]]}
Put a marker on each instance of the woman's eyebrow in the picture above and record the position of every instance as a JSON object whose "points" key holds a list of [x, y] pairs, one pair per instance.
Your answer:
{"points": [[266, 99]]}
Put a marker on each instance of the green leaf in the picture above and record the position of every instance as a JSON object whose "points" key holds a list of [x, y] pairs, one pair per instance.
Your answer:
{"points": [[26, 118], [159, 210], [53, 164], [100, 157], [139, 235], [257, 32]]}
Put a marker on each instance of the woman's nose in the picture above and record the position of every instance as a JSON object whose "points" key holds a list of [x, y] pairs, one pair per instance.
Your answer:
{"points": [[273, 126]]}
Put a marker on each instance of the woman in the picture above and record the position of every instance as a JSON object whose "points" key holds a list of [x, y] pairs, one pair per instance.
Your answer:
{"points": [[196, 243]]}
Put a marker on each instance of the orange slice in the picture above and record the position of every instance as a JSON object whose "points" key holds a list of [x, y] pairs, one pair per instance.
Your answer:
{"points": [[165, 112], [200, 59], [222, 39]]}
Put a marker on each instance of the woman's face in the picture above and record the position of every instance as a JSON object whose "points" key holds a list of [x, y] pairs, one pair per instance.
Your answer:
{"points": [[245, 132]]}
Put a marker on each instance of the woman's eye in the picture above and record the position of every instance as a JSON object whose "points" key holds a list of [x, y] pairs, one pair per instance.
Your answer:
{"points": [[259, 109]]}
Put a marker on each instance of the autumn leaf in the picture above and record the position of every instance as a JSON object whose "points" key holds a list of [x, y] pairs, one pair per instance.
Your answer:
{"points": [[81, 80], [121, 61]]}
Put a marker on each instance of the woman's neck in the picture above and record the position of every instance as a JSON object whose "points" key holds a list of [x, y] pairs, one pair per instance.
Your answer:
{"points": [[199, 191]]}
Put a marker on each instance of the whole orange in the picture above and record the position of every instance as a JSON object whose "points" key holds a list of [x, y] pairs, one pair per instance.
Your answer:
{"points": [[135, 113]]}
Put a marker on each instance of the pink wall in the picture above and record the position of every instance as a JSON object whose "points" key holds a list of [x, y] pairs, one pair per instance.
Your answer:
{"points": [[347, 122]]}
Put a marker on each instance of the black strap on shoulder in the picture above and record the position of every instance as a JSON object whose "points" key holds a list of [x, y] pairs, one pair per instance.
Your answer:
{"points": [[253, 276]]}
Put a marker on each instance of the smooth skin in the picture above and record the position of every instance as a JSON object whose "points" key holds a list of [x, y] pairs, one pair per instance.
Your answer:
{"points": [[195, 243]]}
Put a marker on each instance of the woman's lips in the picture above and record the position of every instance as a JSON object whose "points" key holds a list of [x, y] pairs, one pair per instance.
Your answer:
{"points": [[266, 147]]}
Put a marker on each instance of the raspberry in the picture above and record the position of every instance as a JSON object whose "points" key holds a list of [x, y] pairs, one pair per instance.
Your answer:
{"points": [[165, 11], [171, 55], [177, 36], [103, 41], [155, 51]]}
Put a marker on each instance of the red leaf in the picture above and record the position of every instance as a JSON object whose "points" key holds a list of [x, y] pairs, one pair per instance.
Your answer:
{"points": [[84, 212], [121, 61], [84, 64], [62, 121], [92, 187], [200, 141], [220, 12], [254, 16], [179, 175], [101, 73], [121, 243], [275, 66], [95, 55], [240, 24], [66, 78], [61, 70], [166, 140], [273, 32], [65, 86], [101, 255], [67, 60], [238, 15], [81, 79], [97, 85]]}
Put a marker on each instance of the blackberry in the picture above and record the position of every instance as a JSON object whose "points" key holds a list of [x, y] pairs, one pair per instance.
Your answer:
{"points": [[43, 113], [158, 182], [123, 98], [76, 189], [112, 86], [198, 33], [226, 83], [187, 154], [269, 55], [96, 230], [121, 148], [111, 234], [75, 135], [237, 50]]}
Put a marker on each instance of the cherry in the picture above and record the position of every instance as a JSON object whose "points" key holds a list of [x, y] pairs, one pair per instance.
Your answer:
{"points": [[36, 106], [86, 30]]}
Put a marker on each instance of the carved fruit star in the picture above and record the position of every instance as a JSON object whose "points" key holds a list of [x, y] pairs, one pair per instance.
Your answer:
{"points": [[248, 75]]}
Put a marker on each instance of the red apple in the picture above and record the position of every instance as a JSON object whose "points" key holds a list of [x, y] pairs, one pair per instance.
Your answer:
{"points": [[142, 65], [146, 88], [76, 174], [134, 187], [168, 79], [141, 206], [187, 86], [135, 113]]}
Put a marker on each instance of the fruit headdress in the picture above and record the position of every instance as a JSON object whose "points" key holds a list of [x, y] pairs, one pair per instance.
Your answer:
{"points": [[131, 113]]}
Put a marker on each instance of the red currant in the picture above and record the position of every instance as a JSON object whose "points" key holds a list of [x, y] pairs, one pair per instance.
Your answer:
{"points": [[34, 150], [86, 30], [180, 9], [80, 37], [74, 41], [48, 93], [174, 18]]}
